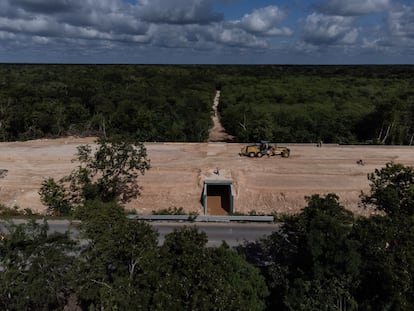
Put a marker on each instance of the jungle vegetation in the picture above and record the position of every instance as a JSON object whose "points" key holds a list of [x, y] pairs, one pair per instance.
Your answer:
{"points": [[333, 104]]}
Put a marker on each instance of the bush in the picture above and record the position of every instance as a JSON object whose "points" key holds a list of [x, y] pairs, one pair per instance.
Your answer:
{"points": [[170, 211], [54, 196]]}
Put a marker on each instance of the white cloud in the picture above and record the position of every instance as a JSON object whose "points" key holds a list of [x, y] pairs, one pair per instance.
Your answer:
{"points": [[323, 29], [369, 44], [396, 35], [353, 7], [41, 40], [350, 37], [401, 22], [38, 25], [236, 37], [95, 18], [156, 23], [204, 37], [264, 21], [305, 48], [5, 35]]}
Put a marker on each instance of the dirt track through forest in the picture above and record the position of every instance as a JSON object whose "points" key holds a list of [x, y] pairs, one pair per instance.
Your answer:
{"points": [[217, 133]]}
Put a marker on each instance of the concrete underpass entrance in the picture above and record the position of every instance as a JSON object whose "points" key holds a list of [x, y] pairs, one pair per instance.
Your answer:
{"points": [[218, 197]]}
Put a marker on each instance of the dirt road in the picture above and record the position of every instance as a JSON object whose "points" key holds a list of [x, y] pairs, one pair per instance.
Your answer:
{"points": [[217, 133], [178, 172]]}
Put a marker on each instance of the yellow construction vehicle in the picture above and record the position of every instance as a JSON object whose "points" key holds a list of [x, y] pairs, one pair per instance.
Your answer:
{"points": [[264, 148]]}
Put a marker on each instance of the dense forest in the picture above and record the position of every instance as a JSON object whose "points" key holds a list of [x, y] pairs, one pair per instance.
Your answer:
{"points": [[333, 104], [150, 103]]}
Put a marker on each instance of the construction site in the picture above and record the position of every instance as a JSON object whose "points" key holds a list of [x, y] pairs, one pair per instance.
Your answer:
{"points": [[209, 178]]}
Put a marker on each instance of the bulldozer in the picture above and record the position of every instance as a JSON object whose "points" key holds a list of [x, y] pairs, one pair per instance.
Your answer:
{"points": [[264, 148]]}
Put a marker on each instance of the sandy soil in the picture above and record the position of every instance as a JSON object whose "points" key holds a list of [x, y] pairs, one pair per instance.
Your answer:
{"points": [[179, 169]]}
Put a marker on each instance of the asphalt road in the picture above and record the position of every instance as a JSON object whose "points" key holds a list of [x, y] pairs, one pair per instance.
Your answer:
{"points": [[232, 233]]}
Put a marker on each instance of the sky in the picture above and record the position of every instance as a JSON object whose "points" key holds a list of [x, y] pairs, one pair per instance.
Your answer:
{"points": [[207, 31]]}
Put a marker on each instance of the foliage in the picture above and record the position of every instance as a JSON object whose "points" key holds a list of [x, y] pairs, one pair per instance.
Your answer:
{"points": [[109, 173], [35, 268], [123, 267], [195, 277], [250, 213], [335, 104], [387, 253], [55, 197], [170, 211], [324, 259], [9, 211], [119, 263], [146, 103], [15, 211], [392, 190], [310, 263]]}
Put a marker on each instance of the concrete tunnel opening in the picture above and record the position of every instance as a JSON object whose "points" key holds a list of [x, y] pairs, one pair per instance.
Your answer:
{"points": [[218, 197]]}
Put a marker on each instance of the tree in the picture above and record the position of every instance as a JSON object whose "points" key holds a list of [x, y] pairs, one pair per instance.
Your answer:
{"points": [[392, 190], [387, 240], [387, 257], [122, 267], [195, 277], [35, 268], [109, 173], [118, 265], [310, 263], [54, 195]]}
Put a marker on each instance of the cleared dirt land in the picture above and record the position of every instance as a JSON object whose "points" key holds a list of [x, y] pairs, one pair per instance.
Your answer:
{"points": [[179, 170]]}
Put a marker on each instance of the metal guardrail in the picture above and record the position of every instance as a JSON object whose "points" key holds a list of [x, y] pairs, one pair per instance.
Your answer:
{"points": [[202, 218]]}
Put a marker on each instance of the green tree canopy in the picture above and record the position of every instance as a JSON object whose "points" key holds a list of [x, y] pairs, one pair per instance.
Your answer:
{"points": [[392, 190], [54, 195], [196, 277], [122, 267], [108, 171], [387, 240], [310, 263], [387, 257], [338, 104], [118, 266], [35, 268]]}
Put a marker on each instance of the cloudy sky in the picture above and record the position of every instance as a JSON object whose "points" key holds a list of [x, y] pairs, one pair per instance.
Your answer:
{"points": [[207, 31]]}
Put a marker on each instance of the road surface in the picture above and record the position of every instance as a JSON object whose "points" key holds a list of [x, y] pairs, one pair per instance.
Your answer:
{"points": [[232, 233]]}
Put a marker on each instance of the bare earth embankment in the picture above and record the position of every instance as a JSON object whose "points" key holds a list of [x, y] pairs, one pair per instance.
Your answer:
{"points": [[179, 170]]}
